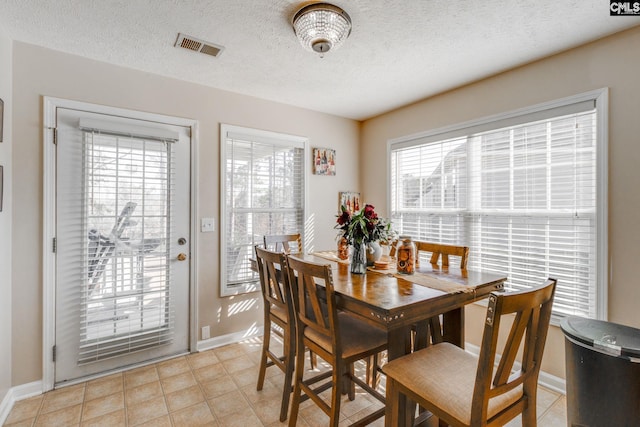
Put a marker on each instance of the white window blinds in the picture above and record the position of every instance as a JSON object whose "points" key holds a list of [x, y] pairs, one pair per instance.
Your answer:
{"points": [[126, 304], [523, 197], [263, 185]]}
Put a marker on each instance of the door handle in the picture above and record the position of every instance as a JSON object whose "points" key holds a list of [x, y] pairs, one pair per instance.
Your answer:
{"points": [[182, 257]]}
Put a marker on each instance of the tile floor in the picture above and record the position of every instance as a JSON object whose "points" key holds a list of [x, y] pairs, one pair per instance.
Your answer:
{"points": [[213, 388]]}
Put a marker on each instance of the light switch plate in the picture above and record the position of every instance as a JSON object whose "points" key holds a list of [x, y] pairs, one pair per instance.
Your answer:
{"points": [[207, 225]]}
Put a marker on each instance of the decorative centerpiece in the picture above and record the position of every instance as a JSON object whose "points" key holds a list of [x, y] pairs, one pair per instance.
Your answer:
{"points": [[363, 230]]}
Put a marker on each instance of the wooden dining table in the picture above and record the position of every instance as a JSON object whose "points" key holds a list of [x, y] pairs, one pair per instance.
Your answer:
{"points": [[394, 302]]}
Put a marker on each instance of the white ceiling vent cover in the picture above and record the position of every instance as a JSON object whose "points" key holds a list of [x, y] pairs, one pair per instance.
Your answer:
{"points": [[197, 45]]}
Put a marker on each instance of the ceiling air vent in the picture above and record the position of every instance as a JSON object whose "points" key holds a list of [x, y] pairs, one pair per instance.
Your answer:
{"points": [[197, 45]]}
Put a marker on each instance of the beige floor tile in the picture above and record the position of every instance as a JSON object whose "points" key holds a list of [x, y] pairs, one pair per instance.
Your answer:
{"points": [[143, 392], [104, 386], [240, 419], [140, 376], [178, 382], [172, 367], [24, 423], [163, 421], [196, 415], [228, 404], [102, 405], [269, 392], [251, 345], [210, 372], [315, 417], [556, 416], [62, 417], [246, 377], [62, 398], [147, 410], [25, 409], [238, 364], [200, 360], [268, 410], [116, 418], [183, 398], [219, 387], [229, 352]]}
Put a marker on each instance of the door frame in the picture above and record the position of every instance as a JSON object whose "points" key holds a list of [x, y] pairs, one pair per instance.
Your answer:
{"points": [[50, 105]]}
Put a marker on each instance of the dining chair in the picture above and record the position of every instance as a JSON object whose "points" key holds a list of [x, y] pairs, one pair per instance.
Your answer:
{"points": [[287, 243], [340, 338], [441, 252], [430, 331], [462, 389], [278, 310]]}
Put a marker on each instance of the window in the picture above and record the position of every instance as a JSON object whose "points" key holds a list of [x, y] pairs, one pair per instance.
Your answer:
{"points": [[263, 183], [526, 191]]}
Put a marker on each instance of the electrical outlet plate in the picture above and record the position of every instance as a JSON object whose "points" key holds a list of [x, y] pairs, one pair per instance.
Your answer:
{"points": [[206, 333]]}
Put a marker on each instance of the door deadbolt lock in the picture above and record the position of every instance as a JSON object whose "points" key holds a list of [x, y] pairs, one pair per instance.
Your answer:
{"points": [[182, 241], [182, 257]]}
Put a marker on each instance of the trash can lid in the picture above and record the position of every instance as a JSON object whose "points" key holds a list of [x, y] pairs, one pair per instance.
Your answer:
{"points": [[611, 338]]}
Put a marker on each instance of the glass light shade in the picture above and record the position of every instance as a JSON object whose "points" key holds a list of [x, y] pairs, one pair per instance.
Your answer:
{"points": [[321, 27]]}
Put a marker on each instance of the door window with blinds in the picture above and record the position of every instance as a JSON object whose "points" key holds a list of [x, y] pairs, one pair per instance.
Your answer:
{"points": [[122, 203], [263, 185], [525, 191]]}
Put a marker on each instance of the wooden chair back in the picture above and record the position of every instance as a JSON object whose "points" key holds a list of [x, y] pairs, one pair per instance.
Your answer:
{"points": [[275, 287], [442, 251], [315, 305], [532, 309], [287, 243]]}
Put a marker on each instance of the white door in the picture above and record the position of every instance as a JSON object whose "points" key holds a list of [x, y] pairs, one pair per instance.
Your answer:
{"points": [[122, 242]]}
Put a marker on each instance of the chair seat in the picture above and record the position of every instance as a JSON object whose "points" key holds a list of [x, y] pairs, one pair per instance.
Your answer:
{"points": [[445, 375], [357, 337]]}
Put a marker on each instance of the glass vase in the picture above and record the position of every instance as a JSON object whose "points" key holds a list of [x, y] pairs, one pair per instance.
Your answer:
{"points": [[359, 259]]}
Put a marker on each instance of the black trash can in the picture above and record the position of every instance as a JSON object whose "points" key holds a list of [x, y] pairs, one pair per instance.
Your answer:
{"points": [[603, 373]]}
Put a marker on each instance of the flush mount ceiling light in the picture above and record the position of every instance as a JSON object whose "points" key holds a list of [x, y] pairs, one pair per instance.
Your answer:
{"points": [[321, 27]]}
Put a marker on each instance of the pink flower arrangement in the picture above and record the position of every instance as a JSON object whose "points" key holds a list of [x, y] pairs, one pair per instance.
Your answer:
{"points": [[363, 226]]}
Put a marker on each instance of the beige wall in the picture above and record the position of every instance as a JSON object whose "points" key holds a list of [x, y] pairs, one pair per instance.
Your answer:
{"points": [[611, 62], [5, 220], [39, 72]]}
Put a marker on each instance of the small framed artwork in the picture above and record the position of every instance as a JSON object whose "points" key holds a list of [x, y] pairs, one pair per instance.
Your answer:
{"points": [[324, 161], [350, 200]]}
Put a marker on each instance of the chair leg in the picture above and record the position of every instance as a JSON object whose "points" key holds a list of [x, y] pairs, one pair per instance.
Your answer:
{"points": [[297, 391], [529, 416], [372, 371], [313, 359], [336, 392], [392, 408], [263, 359], [351, 384], [290, 354]]}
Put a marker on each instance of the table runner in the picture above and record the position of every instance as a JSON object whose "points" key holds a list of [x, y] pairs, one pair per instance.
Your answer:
{"points": [[330, 255], [426, 280]]}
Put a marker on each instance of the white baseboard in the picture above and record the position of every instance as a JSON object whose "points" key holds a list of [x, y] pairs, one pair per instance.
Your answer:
{"points": [[229, 338], [17, 393], [545, 379]]}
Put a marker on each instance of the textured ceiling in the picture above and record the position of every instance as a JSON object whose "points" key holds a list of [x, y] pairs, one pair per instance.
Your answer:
{"points": [[399, 51]]}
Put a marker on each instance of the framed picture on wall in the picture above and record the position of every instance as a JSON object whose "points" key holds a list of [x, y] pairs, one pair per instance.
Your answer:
{"points": [[324, 161], [350, 200]]}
